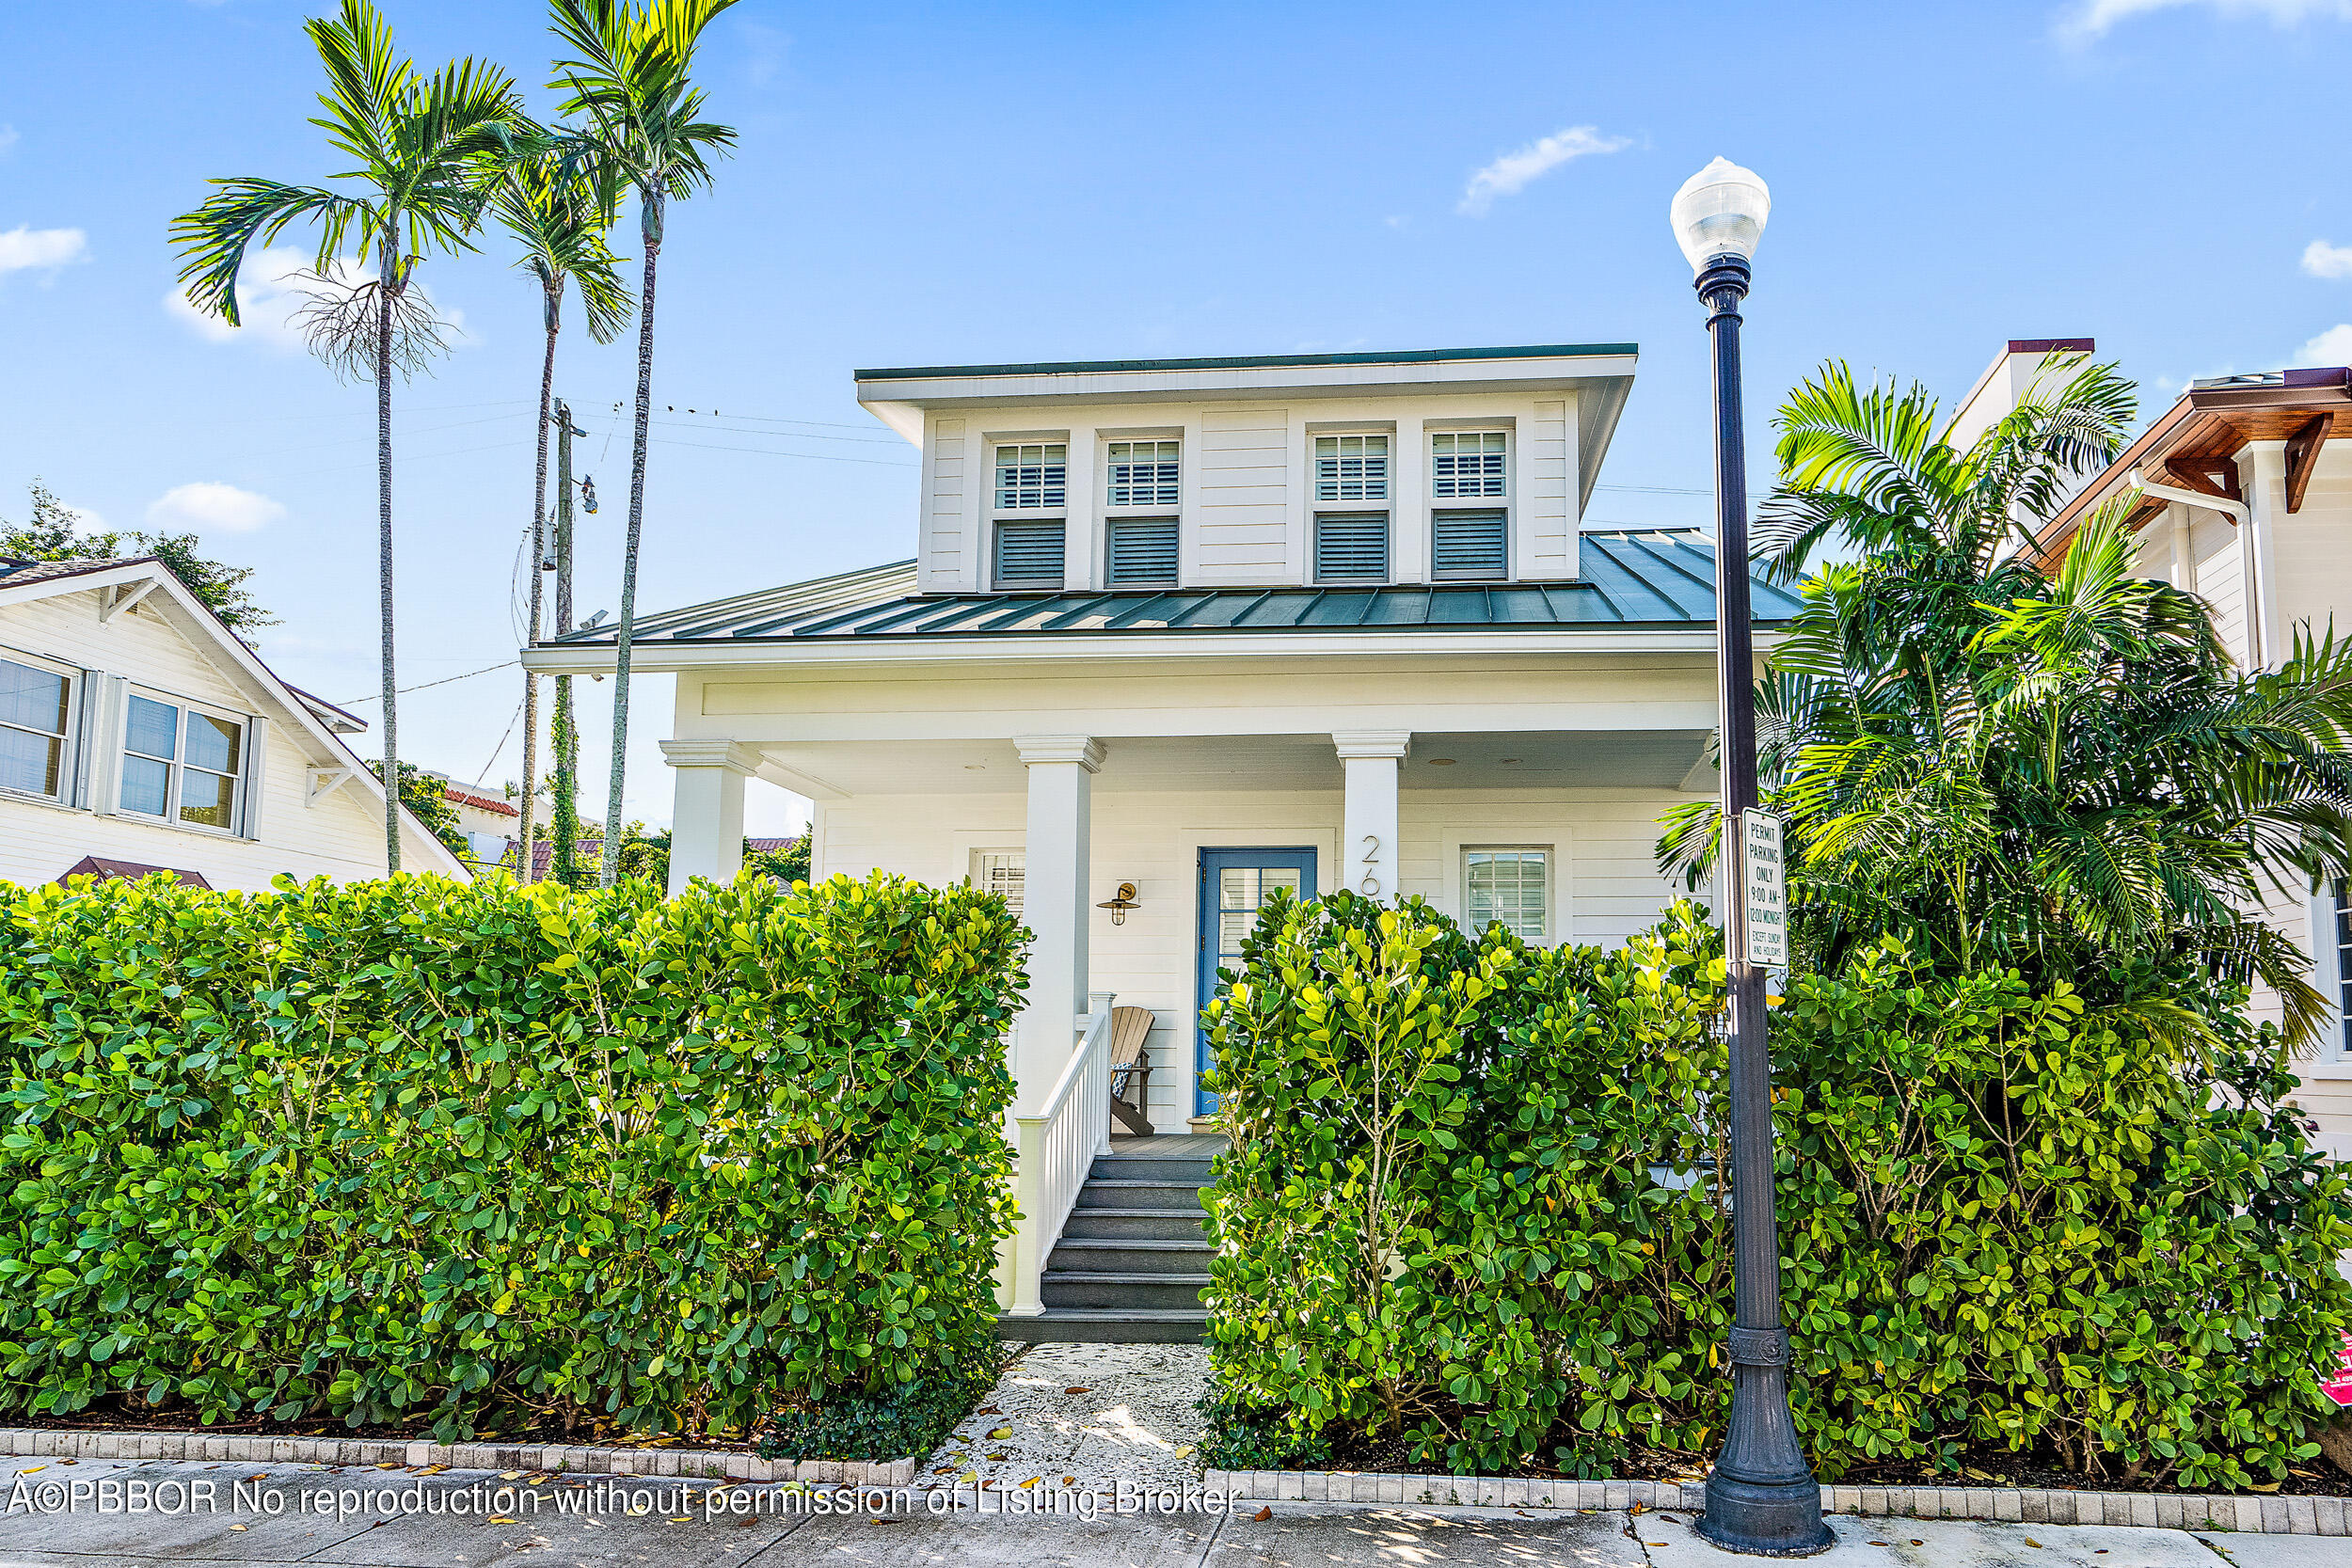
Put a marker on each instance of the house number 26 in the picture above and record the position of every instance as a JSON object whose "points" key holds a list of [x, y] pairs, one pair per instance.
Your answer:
{"points": [[1371, 870]]}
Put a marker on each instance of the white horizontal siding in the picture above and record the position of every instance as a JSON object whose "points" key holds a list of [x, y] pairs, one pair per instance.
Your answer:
{"points": [[1240, 506], [950, 555]]}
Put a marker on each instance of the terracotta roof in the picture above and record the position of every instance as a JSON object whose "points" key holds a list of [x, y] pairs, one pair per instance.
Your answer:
{"points": [[128, 871], [497, 804]]}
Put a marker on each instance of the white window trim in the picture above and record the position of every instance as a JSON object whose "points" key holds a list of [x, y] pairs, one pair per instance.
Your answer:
{"points": [[70, 753], [971, 846], [239, 806], [1559, 875], [2331, 1060]]}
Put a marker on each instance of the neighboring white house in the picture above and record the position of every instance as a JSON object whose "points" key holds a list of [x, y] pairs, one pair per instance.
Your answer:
{"points": [[489, 821], [138, 734], [1213, 627], [2246, 501]]}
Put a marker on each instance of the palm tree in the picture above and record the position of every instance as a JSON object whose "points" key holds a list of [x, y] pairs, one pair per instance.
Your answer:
{"points": [[421, 150], [2010, 761], [637, 118], [561, 222]]}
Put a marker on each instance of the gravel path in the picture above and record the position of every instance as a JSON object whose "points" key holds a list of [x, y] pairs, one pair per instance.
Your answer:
{"points": [[1082, 1417]]}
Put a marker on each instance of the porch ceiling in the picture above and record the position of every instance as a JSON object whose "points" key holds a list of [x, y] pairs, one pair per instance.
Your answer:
{"points": [[1551, 759]]}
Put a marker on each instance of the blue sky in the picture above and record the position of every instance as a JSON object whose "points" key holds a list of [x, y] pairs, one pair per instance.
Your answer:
{"points": [[930, 185]]}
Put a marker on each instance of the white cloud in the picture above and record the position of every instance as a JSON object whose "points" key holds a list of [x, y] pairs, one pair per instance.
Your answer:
{"points": [[271, 289], [26, 249], [2093, 19], [1513, 171], [2332, 347], [2322, 260], [207, 507]]}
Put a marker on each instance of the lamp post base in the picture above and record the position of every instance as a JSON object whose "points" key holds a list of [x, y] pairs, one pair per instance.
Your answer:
{"points": [[1761, 1497], [1765, 1518]]}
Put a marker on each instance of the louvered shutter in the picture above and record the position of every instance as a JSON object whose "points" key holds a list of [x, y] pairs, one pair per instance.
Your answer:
{"points": [[1467, 545], [1352, 548], [1028, 555], [1143, 552]]}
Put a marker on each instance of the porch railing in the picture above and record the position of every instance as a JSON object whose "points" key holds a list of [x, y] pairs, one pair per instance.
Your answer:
{"points": [[1055, 1149]]}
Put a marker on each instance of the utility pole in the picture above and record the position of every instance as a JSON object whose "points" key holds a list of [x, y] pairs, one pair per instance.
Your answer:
{"points": [[566, 840]]}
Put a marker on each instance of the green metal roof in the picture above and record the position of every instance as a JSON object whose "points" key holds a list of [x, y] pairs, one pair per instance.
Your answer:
{"points": [[1252, 363], [1662, 580]]}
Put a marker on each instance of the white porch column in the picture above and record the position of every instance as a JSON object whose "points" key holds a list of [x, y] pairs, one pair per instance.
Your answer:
{"points": [[706, 819], [1054, 907], [1368, 858]]}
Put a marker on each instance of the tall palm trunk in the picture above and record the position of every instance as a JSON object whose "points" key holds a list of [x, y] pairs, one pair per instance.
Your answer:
{"points": [[649, 198], [388, 273], [523, 861]]}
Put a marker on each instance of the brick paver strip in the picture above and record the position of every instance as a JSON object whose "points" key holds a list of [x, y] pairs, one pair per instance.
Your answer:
{"points": [[1994, 1504], [575, 1458]]}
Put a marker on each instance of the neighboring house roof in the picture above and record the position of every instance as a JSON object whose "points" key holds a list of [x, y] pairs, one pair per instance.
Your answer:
{"points": [[340, 720], [1646, 579], [154, 583], [2194, 445], [497, 805], [543, 852], [129, 871]]}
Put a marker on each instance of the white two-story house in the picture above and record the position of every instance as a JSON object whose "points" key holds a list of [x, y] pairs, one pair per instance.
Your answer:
{"points": [[1211, 628]]}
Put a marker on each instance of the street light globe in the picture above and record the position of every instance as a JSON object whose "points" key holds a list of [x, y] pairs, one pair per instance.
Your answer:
{"points": [[1720, 211]]}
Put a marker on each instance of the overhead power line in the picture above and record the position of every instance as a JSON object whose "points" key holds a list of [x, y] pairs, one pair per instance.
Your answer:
{"points": [[404, 690]]}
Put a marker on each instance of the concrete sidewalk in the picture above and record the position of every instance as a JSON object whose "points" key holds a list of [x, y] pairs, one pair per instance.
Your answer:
{"points": [[58, 1518]]}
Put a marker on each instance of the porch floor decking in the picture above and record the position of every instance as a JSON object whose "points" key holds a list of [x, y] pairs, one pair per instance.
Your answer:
{"points": [[1169, 1146]]}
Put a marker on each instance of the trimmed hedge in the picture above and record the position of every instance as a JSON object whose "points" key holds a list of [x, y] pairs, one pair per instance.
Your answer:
{"points": [[412, 1148], [1472, 1199]]}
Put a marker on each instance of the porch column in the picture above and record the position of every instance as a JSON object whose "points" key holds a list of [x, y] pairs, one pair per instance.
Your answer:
{"points": [[707, 816], [1368, 858], [1054, 907]]}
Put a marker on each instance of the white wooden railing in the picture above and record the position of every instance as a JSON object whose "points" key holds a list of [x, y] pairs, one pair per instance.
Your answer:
{"points": [[1054, 1151]]}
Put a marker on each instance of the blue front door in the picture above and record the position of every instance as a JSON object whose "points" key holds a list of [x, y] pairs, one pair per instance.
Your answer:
{"points": [[1233, 882]]}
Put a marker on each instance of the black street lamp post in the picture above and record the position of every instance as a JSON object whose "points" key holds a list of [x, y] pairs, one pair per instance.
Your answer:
{"points": [[1761, 1496]]}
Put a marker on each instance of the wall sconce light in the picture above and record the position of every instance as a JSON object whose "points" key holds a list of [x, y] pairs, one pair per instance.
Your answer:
{"points": [[1120, 905]]}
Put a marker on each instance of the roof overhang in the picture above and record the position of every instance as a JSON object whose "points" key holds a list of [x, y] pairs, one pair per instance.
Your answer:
{"points": [[2195, 445], [952, 652]]}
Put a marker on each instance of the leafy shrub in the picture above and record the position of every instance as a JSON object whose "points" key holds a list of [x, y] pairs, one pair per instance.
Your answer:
{"points": [[1472, 1199], [411, 1148], [1239, 1435], [904, 1418]]}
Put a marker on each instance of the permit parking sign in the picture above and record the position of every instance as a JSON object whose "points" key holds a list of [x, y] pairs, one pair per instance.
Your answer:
{"points": [[1764, 889]]}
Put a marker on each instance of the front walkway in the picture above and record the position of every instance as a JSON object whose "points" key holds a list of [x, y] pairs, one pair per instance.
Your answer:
{"points": [[1082, 1417]]}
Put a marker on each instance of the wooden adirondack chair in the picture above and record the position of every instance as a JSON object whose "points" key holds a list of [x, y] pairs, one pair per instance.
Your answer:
{"points": [[1131, 1069]]}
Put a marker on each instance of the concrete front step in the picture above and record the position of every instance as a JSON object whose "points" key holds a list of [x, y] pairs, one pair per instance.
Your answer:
{"points": [[1132, 1325], [1134, 1193], [1097, 1255], [1145, 1167], [1106, 1290], [1133, 1225]]}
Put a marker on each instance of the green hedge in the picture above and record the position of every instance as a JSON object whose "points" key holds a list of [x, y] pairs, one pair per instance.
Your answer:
{"points": [[412, 1148], [1471, 1198]]}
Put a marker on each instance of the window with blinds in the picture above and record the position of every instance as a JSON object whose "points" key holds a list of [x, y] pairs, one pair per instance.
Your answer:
{"points": [[1465, 464], [1142, 552], [1351, 468], [1000, 872], [1142, 474], [1467, 546], [1507, 885], [1035, 475], [2341, 941], [1028, 555], [1352, 547]]}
